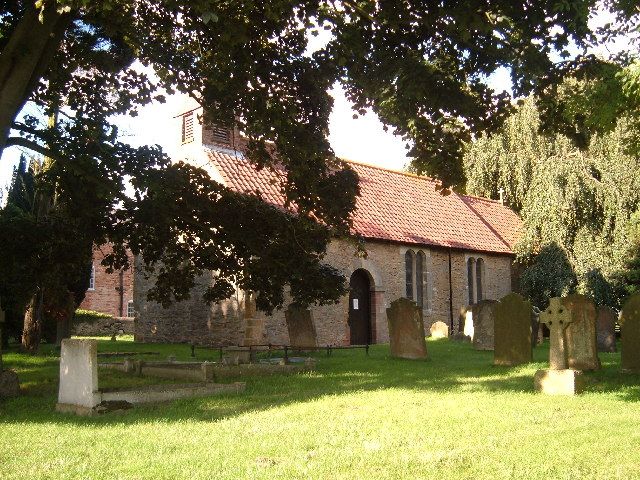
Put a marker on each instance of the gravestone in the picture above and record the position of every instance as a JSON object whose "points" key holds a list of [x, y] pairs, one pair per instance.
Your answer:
{"points": [[466, 316], [557, 379], [439, 330], [606, 329], [483, 323], [537, 331], [302, 332], [406, 330], [512, 331], [582, 347], [78, 374], [630, 334]]}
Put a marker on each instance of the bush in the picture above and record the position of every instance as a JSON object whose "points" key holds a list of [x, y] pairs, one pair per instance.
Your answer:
{"points": [[550, 275], [88, 316]]}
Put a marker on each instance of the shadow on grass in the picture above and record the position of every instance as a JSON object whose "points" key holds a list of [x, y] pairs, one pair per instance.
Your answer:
{"points": [[453, 368]]}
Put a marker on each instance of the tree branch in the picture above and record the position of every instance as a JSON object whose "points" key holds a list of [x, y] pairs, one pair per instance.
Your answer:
{"points": [[31, 145]]}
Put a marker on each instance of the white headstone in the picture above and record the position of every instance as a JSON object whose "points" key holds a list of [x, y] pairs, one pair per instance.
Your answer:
{"points": [[79, 373], [468, 323]]}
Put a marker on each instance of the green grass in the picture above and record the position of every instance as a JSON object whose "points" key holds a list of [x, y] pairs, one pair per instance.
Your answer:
{"points": [[454, 416]]}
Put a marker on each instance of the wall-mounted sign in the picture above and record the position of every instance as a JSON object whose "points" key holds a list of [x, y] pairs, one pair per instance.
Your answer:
{"points": [[355, 304]]}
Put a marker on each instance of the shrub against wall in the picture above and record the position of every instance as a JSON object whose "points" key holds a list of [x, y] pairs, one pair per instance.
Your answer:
{"points": [[89, 316]]}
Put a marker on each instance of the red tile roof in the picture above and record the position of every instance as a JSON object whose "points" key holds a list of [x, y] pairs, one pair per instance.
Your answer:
{"points": [[397, 206]]}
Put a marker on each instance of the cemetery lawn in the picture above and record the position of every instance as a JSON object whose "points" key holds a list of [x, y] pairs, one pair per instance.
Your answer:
{"points": [[453, 416]]}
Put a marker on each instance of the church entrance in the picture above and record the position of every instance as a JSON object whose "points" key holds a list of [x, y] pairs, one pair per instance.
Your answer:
{"points": [[360, 308]]}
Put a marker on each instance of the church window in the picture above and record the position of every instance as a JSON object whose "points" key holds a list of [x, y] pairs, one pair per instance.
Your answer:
{"points": [[408, 266], [479, 277], [92, 278], [420, 263], [470, 279]]}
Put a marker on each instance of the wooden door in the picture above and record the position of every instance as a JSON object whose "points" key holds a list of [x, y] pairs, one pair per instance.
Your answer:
{"points": [[360, 308]]}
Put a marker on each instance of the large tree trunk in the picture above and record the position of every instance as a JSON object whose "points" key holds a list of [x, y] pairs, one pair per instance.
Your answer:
{"points": [[32, 331], [65, 318], [26, 57]]}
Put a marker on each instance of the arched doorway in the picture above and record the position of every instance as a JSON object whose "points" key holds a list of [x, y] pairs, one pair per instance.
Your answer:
{"points": [[360, 308]]}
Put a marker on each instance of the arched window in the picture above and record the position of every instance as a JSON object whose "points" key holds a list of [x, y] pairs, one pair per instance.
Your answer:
{"points": [[408, 267], [479, 275], [470, 279], [92, 278], [420, 263]]}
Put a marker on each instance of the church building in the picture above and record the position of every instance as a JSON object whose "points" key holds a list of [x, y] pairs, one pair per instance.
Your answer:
{"points": [[443, 252]]}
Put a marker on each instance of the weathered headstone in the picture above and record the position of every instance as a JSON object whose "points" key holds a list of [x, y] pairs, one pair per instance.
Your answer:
{"points": [[302, 332], [237, 355], [512, 331], [483, 323], [630, 334], [557, 379], [78, 374], [466, 316], [537, 331], [582, 347], [9, 384], [439, 330], [406, 330], [606, 329]]}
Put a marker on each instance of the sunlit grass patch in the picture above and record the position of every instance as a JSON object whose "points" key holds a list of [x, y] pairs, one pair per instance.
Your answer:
{"points": [[453, 416]]}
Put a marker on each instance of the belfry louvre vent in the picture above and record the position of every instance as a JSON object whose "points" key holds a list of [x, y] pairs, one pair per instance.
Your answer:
{"points": [[221, 134], [187, 127]]}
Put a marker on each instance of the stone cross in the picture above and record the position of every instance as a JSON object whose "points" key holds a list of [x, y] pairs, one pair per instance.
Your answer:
{"points": [[556, 317]]}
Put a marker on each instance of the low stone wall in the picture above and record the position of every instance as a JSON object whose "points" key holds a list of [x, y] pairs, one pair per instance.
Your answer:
{"points": [[104, 327], [208, 372]]}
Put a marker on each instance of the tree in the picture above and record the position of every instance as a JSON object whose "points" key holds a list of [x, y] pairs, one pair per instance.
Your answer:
{"points": [[418, 65], [549, 275], [44, 268], [582, 201], [627, 279]]}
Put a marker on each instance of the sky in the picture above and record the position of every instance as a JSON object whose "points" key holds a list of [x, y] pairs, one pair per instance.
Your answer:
{"points": [[362, 139]]}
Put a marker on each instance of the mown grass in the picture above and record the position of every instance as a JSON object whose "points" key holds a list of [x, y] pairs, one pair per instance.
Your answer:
{"points": [[453, 416]]}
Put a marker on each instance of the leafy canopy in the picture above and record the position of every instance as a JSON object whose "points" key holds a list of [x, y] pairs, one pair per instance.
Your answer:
{"points": [[581, 202], [419, 65]]}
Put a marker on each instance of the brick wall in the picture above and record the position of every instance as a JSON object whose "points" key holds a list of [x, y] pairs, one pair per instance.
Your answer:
{"points": [[225, 324], [105, 297]]}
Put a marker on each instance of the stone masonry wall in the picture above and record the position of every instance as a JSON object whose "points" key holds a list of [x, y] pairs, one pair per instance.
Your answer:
{"points": [[224, 323], [105, 296], [104, 327]]}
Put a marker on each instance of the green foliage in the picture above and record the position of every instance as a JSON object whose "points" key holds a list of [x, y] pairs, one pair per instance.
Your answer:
{"points": [[88, 316], [419, 67], [549, 275], [582, 201], [600, 289], [627, 279]]}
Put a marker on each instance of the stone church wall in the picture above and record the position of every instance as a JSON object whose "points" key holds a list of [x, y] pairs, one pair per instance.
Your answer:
{"points": [[225, 323]]}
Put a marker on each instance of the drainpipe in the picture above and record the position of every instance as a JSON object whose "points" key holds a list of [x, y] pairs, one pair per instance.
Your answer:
{"points": [[121, 290], [450, 295]]}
